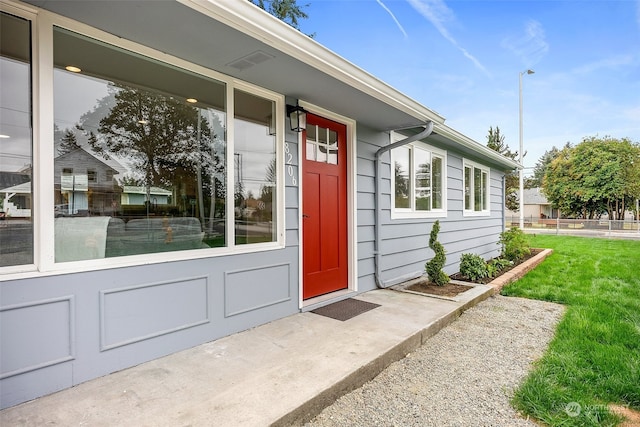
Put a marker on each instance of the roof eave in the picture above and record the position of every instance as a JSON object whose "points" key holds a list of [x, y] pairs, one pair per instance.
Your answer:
{"points": [[254, 22]]}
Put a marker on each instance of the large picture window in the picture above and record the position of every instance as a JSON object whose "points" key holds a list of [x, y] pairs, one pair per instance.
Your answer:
{"points": [[418, 181], [141, 161], [476, 189], [16, 159]]}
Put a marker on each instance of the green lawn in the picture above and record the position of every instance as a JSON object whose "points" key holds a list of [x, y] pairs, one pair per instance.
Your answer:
{"points": [[594, 358]]}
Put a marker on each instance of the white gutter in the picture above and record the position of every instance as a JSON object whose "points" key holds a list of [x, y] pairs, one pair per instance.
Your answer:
{"points": [[428, 128]]}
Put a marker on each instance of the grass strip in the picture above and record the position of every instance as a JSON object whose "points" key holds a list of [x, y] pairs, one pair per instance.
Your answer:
{"points": [[594, 358]]}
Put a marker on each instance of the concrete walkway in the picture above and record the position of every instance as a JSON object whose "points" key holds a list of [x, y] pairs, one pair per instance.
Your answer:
{"points": [[281, 373]]}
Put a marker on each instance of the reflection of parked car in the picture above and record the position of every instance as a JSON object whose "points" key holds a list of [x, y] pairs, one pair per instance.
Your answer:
{"points": [[61, 210]]}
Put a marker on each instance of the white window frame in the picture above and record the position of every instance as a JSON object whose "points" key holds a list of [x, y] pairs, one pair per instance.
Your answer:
{"points": [[486, 202], [42, 25], [412, 212]]}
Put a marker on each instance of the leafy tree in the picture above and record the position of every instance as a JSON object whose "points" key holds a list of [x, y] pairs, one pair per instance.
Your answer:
{"points": [[286, 10], [542, 165], [166, 143], [162, 138], [68, 143], [130, 179], [495, 141], [597, 176]]}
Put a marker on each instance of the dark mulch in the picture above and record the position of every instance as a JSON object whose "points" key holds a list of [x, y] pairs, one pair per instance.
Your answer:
{"points": [[448, 290]]}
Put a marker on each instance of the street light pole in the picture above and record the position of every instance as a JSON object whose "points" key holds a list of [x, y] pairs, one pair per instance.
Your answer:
{"points": [[521, 172]]}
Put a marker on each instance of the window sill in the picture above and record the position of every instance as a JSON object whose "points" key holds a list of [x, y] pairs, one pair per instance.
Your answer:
{"points": [[418, 215], [476, 213]]}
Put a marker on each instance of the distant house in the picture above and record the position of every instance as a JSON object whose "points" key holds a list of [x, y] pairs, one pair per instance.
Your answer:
{"points": [[292, 179], [138, 195], [536, 207]]}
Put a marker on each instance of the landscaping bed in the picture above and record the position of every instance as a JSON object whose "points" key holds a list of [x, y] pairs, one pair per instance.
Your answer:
{"points": [[460, 283]]}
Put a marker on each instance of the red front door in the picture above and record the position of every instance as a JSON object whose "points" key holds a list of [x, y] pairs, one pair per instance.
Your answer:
{"points": [[324, 207]]}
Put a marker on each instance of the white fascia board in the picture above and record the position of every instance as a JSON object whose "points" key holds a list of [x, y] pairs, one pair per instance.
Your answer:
{"points": [[475, 146], [251, 20]]}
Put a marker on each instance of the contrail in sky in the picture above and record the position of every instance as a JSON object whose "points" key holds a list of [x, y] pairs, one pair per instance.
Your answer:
{"points": [[393, 17], [437, 12]]}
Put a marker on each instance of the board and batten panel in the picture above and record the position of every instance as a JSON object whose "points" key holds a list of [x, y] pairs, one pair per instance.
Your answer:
{"points": [[245, 290], [37, 347], [37, 334], [129, 315]]}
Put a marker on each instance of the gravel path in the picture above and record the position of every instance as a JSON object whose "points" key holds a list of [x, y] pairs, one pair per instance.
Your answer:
{"points": [[463, 376]]}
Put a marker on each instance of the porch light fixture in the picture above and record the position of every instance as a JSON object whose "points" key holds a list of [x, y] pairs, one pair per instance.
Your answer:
{"points": [[297, 117], [191, 100], [72, 68]]}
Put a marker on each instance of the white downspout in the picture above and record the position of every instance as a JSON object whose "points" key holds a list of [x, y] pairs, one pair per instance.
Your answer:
{"points": [[428, 128]]}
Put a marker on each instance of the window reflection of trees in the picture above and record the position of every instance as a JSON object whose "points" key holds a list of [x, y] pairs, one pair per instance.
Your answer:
{"points": [[167, 145]]}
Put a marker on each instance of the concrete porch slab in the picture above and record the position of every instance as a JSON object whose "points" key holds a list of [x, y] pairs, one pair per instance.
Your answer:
{"points": [[281, 373]]}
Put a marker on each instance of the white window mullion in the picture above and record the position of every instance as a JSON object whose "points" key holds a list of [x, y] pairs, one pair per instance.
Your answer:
{"points": [[412, 180], [231, 172], [43, 147]]}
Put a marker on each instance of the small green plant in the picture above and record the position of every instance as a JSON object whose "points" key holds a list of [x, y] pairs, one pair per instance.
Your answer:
{"points": [[501, 263], [434, 266], [473, 267], [492, 270], [515, 245]]}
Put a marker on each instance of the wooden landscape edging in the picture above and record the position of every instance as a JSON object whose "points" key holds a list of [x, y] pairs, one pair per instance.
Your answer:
{"points": [[518, 271]]}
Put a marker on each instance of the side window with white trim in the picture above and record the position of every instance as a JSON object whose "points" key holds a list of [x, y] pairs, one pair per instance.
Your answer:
{"points": [[418, 181], [476, 189]]}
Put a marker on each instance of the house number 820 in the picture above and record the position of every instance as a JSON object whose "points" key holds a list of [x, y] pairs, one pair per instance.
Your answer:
{"points": [[289, 161]]}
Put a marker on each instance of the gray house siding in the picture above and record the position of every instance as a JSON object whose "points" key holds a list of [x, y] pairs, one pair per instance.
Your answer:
{"points": [[404, 242]]}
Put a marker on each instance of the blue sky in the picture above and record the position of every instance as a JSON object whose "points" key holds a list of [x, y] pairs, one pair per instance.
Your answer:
{"points": [[462, 58]]}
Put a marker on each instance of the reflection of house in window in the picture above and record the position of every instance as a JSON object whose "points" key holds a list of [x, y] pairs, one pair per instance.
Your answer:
{"points": [[78, 187], [15, 193]]}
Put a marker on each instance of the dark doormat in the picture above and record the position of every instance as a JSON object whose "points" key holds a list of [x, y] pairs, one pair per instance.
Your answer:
{"points": [[345, 309]]}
